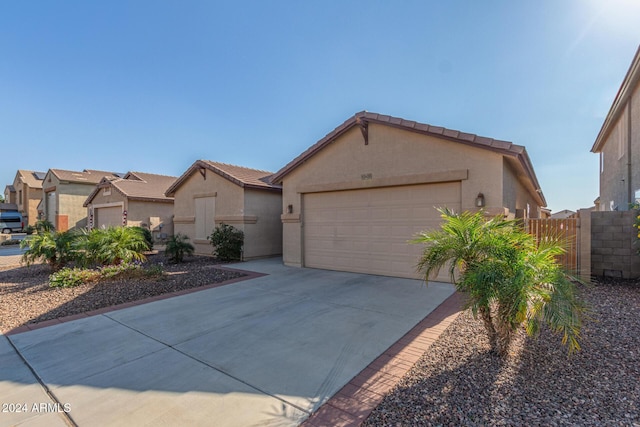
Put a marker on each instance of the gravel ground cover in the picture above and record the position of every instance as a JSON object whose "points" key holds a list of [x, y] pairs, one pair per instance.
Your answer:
{"points": [[459, 383], [26, 297]]}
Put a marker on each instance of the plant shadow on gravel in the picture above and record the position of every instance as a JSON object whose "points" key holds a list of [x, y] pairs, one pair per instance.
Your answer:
{"points": [[458, 382]]}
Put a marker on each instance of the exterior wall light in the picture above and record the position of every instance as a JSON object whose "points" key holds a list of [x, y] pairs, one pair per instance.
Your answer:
{"points": [[290, 209], [480, 200]]}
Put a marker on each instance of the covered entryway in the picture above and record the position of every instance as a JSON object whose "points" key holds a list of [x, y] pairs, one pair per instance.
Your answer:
{"points": [[108, 216], [367, 230]]}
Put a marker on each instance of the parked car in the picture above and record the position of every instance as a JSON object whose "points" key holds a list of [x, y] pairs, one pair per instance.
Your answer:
{"points": [[11, 222]]}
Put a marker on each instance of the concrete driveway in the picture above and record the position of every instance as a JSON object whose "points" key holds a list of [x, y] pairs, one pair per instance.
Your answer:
{"points": [[266, 351]]}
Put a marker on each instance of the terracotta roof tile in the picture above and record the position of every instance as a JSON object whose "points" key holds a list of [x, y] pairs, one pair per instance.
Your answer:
{"points": [[86, 176], [239, 175]]}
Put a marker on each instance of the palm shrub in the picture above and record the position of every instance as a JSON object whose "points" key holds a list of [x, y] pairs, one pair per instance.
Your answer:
{"points": [[177, 247], [53, 247], [227, 242], [110, 246], [148, 237], [510, 280]]}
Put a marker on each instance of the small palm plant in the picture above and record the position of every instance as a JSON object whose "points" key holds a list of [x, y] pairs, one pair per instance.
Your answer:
{"points": [[53, 247], [177, 247], [511, 280], [111, 245]]}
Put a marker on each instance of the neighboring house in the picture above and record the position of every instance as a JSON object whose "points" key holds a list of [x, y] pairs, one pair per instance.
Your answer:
{"points": [[618, 144], [65, 193], [354, 200], [9, 194], [211, 193], [136, 199], [563, 214], [28, 190]]}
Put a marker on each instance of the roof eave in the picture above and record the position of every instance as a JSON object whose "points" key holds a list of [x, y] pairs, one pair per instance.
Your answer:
{"points": [[619, 102]]}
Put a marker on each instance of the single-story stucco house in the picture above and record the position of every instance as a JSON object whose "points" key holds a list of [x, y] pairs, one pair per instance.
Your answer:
{"points": [[354, 199], [210, 193], [137, 199], [65, 193]]}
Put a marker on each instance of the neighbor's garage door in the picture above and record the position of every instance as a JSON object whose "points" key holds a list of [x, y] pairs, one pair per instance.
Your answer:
{"points": [[367, 231], [108, 217]]}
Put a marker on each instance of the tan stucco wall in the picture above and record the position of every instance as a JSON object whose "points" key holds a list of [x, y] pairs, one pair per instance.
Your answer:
{"points": [[391, 156], [28, 204], [265, 234], [516, 196], [257, 215], [613, 174], [152, 214], [70, 198]]}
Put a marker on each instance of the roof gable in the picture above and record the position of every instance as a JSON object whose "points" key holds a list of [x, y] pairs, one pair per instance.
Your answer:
{"points": [[363, 118], [629, 83], [239, 175], [137, 186], [32, 178]]}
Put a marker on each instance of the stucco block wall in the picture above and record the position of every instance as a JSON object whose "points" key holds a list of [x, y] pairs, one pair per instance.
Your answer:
{"points": [[391, 155], [613, 248], [635, 141]]}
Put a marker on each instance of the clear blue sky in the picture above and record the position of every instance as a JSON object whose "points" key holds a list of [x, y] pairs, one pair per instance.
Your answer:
{"points": [[153, 86]]}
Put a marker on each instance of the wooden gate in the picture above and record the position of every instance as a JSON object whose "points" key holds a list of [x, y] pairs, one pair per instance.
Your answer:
{"points": [[564, 229]]}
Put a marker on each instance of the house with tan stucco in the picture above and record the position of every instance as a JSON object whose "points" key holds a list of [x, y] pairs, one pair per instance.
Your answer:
{"points": [[137, 199], [64, 195], [618, 145], [354, 199], [211, 193], [26, 193]]}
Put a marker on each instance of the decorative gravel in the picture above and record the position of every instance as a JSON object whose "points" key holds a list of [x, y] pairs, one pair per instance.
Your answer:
{"points": [[459, 383], [26, 297]]}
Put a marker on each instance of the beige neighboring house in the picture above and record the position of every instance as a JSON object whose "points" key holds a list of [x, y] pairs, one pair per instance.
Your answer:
{"points": [[563, 214], [354, 199], [210, 193], [618, 144], [137, 199], [28, 193], [65, 193], [9, 194]]}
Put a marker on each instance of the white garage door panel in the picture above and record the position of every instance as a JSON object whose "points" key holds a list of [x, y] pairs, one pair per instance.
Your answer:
{"points": [[367, 231], [108, 217]]}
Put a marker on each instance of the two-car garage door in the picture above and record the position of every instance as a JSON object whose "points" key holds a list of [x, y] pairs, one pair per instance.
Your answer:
{"points": [[367, 230]]}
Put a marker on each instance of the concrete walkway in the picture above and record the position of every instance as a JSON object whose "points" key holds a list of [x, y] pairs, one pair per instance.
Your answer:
{"points": [[266, 351]]}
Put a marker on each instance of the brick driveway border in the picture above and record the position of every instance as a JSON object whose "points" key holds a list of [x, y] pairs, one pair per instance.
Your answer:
{"points": [[350, 406]]}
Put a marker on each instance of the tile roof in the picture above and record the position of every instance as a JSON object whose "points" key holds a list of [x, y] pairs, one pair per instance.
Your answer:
{"points": [[365, 117], [137, 186], [87, 176], [239, 175], [31, 178]]}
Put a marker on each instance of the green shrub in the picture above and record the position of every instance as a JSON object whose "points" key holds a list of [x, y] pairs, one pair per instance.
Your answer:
{"points": [[148, 237], [29, 230], [227, 242], [122, 269], [110, 246], [177, 247], [53, 247], [44, 225], [71, 277]]}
